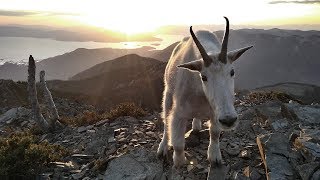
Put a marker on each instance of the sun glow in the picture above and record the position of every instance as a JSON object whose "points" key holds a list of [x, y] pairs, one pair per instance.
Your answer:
{"points": [[127, 26], [140, 16]]}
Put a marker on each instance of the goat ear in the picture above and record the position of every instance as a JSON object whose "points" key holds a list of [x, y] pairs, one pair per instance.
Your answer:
{"points": [[193, 65], [235, 54]]}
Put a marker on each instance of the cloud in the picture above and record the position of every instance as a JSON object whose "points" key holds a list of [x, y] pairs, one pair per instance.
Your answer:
{"points": [[295, 2], [18, 13]]}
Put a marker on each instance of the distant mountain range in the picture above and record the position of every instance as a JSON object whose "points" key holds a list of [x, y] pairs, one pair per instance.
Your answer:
{"points": [[278, 56], [69, 64], [72, 34]]}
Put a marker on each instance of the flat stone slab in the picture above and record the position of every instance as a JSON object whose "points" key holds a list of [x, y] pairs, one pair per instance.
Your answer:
{"points": [[137, 165], [274, 150]]}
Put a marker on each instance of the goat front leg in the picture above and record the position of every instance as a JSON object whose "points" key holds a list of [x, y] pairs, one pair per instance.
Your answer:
{"points": [[214, 153], [177, 131], [163, 146]]}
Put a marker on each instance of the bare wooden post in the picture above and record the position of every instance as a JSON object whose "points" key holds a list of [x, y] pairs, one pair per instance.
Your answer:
{"points": [[32, 90], [54, 116]]}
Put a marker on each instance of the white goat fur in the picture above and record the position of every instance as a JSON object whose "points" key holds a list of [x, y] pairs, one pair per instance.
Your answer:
{"points": [[186, 96]]}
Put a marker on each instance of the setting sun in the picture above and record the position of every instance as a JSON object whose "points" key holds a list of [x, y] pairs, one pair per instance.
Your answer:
{"points": [[141, 16]]}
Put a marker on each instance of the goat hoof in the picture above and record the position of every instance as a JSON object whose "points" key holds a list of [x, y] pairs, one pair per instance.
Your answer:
{"points": [[214, 156], [179, 159], [162, 151]]}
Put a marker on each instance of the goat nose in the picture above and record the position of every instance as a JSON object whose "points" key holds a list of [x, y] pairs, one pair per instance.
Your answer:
{"points": [[228, 120]]}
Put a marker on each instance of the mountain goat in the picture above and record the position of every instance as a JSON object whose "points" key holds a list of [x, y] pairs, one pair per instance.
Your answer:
{"points": [[199, 84]]}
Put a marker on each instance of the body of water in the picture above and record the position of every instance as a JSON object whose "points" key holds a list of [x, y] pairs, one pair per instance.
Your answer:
{"points": [[18, 49]]}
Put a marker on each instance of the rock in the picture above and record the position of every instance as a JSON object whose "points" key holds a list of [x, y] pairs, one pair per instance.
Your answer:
{"points": [[139, 164], [89, 127], [279, 124], [233, 149], [14, 114], [305, 114], [269, 109], [245, 154], [237, 165], [123, 140], [24, 123], [316, 175], [131, 120], [217, 173], [150, 133], [111, 140], [115, 122], [309, 144], [102, 122], [306, 170], [82, 156], [248, 114], [81, 129], [91, 131], [255, 175], [239, 176], [274, 151], [78, 175]]}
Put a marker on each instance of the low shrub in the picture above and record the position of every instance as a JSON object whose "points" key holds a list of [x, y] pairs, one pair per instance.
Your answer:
{"points": [[84, 119], [261, 97], [21, 155], [91, 117], [125, 109]]}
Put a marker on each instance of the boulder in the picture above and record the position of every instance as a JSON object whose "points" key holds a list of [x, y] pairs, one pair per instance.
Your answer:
{"points": [[305, 114], [306, 171], [139, 164], [274, 150], [269, 109], [14, 114], [309, 143], [280, 124]]}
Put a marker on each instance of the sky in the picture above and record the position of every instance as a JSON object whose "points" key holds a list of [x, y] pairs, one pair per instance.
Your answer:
{"points": [[137, 16]]}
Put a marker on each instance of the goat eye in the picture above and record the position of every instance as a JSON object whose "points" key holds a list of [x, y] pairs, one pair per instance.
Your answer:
{"points": [[232, 72], [204, 78]]}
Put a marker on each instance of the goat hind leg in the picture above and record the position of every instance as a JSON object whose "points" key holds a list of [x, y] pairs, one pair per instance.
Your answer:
{"points": [[166, 107], [196, 124]]}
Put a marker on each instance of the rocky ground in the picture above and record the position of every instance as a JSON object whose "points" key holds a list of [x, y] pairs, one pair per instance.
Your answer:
{"points": [[275, 139]]}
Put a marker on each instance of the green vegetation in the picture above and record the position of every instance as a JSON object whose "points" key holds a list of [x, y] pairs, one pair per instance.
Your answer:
{"points": [[91, 117], [21, 154]]}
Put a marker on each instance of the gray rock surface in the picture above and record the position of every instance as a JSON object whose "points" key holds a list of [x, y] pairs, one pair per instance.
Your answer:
{"points": [[275, 149], [305, 114], [138, 165], [14, 114]]}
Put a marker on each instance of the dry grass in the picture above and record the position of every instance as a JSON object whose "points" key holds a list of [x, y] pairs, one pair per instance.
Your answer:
{"points": [[261, 97], [91, 117]]}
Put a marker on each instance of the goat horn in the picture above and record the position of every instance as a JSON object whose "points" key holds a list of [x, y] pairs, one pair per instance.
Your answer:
{"points": [[224, 47], [206, 58]]}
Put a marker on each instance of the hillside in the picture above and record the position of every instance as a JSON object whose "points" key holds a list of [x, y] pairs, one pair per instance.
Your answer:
{"points": [[127, 62], [129, 78]]}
